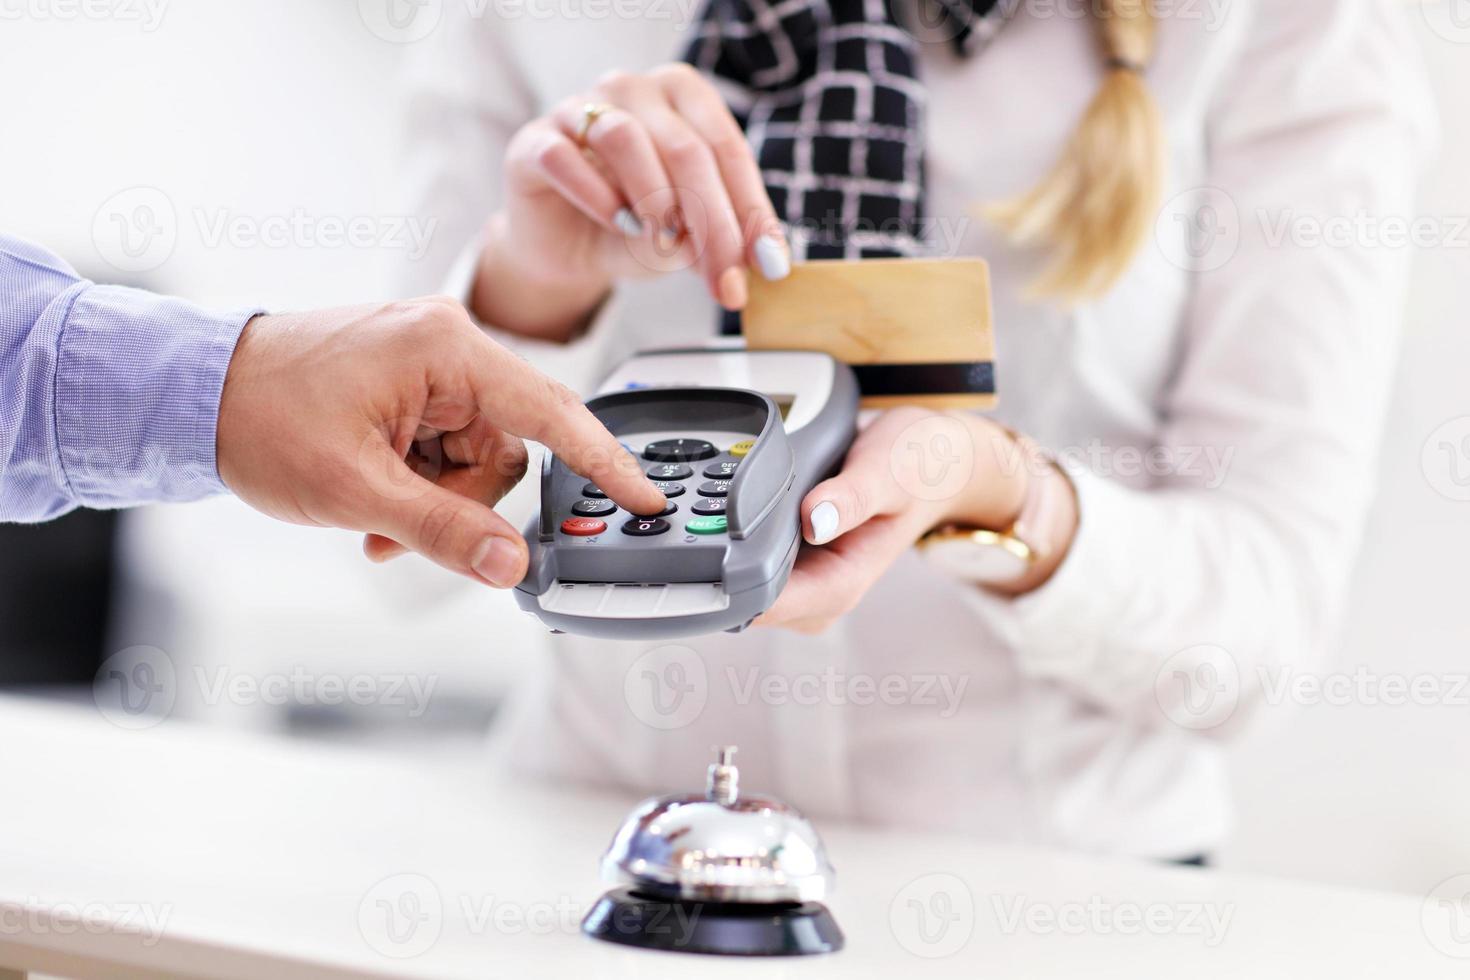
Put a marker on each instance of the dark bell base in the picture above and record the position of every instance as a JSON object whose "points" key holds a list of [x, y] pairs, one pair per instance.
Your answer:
{"points": [[632, 918]]}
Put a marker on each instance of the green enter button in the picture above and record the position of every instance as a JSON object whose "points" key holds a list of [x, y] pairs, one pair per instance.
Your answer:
{"points": [[707, 525]]}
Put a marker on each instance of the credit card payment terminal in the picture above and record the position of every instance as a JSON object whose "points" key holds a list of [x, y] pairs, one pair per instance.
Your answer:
{"points": [[734, 439]]}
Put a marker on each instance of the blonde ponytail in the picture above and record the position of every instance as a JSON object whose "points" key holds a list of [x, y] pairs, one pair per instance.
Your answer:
{"points": [[1095, 208]]}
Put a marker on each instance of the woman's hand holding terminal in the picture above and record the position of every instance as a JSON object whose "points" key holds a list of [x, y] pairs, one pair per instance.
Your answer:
{"points": [[910, 471]]}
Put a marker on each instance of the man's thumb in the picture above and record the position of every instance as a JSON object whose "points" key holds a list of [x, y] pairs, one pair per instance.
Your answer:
{"points": [[454, 531]]}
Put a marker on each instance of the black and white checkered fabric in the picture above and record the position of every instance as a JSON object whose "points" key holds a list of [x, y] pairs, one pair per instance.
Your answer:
{"points": [[829, 95]]}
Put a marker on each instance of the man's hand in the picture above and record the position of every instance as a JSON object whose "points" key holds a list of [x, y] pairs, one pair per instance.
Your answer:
{"points": [[402, 421]]}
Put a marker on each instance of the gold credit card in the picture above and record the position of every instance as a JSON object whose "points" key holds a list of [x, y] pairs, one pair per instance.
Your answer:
{"points": [[916, 331]]}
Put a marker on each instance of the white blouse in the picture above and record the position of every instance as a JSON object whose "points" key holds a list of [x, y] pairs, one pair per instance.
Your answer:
{"points": [[1219, 413]]}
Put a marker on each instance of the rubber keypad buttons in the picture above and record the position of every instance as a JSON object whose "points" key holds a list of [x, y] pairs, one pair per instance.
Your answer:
{"points": [[583, 527], [645, 527], [708, 525], [722, 470], [592, 507]]}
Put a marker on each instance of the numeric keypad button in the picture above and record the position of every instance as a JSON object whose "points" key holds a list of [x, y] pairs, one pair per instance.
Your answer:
{"points": [[592, 507], [645, 527], [670, 471], [583, 527]]}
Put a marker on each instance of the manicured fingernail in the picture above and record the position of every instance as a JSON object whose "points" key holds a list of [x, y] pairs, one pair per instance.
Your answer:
{"points": [[770, 255], [628, 223], [824, 522], [498, 563], [732, 288]]}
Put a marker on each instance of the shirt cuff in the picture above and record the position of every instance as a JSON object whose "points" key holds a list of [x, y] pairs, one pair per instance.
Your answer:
{"points": [[1061, 621], [138, 384]]}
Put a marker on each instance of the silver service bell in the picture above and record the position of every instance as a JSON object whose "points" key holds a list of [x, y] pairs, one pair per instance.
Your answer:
{"points": [[717, 873]]}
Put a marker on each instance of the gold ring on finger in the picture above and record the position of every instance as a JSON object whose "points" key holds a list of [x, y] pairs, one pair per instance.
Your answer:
{"points": [[590, 114]]}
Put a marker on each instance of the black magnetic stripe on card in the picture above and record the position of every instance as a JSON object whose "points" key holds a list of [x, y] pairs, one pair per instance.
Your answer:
{"points": [[952, 378]]}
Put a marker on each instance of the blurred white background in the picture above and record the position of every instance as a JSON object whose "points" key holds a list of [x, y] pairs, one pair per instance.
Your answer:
{"points": [[276, 107]]}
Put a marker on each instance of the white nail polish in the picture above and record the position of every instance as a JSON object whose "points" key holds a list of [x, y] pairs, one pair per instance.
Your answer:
{"points": [[628, 223], [824, 522], [772, 258]]}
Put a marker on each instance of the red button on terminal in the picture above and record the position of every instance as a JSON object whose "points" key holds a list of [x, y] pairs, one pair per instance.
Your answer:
{"points": [[583, 527]]}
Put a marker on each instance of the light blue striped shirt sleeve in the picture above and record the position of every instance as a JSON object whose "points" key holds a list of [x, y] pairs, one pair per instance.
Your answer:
{"points": [[109, 396]]}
